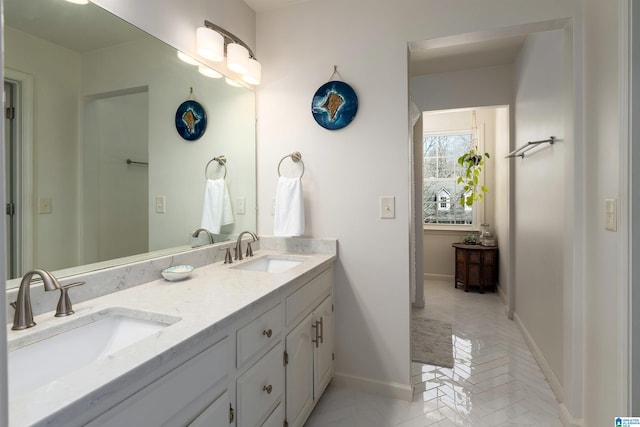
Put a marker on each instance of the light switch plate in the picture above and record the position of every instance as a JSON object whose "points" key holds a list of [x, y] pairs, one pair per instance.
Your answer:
{"points": [[241, 205], [387, 207], [45, 205], [160, 204], [611, 215]]}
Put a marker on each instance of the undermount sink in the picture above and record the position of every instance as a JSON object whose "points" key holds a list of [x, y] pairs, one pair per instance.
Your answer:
{"points": [[58, 351], [270, 264]]}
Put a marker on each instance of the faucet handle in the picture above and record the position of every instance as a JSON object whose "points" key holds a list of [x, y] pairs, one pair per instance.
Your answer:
{"points": [[64, 303], [227, 257], [249, 250]]}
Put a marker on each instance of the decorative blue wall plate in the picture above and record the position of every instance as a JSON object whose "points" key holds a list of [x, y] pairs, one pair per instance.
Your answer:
{"points": [[334, 105], [191, 120]]}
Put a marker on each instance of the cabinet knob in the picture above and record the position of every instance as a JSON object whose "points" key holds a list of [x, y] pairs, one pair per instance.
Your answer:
{"points": [[267, 388], [267, 332]]}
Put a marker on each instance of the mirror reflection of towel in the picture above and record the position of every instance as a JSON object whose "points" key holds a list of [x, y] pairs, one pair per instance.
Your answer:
{"points": [[289, 208], [216, 209]]}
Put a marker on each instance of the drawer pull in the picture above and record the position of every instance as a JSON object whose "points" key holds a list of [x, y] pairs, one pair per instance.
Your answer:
{"points": [[267, 388], [267, 332], [321, 335]]}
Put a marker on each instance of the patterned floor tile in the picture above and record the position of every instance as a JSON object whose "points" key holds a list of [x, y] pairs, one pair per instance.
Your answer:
{"points": [[495, 380]]}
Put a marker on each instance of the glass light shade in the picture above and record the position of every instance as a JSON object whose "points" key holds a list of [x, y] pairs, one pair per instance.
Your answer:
{"points": [[254, 72], [204, 70], [237, 58], [210, 44], [186, 58], [79, 1]]}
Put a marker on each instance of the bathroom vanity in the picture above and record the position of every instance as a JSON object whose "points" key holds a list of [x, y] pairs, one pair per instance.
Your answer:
{"points": [[236, 344]]}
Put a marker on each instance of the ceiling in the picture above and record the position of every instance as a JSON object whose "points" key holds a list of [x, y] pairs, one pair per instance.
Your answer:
{"points": [[486, 53]]}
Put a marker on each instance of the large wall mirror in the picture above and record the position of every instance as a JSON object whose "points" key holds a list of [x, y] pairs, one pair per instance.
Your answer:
{"points": [[89, 91]]}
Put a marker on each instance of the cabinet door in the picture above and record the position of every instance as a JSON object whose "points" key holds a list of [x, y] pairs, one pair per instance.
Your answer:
{"points": [[299, 372], [323, 349]]}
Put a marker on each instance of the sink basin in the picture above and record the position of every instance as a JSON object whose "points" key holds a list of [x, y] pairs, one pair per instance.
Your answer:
{"points": [[62, 350], [270, 264]]}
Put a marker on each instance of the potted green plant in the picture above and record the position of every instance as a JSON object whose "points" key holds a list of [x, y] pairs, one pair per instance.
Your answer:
{"points": [[472, 162]]}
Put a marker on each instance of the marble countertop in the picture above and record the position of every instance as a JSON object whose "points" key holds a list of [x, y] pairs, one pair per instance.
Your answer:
{"points": [[208, 302]]}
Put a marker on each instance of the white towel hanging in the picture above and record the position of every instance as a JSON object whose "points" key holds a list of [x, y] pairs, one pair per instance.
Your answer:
{"points": [[216, 208], [289, 208]]}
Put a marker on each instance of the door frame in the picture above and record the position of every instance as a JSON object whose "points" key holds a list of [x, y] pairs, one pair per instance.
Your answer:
{"points": [[24, 167], [628, 269]]}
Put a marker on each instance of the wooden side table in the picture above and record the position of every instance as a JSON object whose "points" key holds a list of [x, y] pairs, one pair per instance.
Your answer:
{"points": [[476, 265]]}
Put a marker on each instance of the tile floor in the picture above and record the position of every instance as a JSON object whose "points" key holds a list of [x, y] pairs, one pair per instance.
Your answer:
{"points": [[495, 380]]}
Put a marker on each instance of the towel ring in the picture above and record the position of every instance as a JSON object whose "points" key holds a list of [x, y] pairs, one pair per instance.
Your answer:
{"points": [[296, 157], [222, 161]]}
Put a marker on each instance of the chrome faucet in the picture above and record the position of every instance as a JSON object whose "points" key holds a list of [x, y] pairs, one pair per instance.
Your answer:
{"points": [[23, 317], [239, 245], [199, 230]]}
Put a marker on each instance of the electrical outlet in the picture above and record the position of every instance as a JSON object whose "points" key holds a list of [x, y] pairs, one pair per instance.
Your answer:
{"points": [[160, 204], [387, 207]]}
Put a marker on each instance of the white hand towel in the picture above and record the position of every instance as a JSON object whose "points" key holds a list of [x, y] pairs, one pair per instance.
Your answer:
{"points": [[216, 209], [289, 209]]}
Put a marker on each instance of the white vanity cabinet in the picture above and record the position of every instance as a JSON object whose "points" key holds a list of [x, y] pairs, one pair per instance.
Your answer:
{"points": [[269, 369], [309, 347]]}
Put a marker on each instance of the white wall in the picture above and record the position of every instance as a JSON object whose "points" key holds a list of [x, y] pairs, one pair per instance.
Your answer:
{"points": [[605, 338], [540, 193], [465, 88], [349, 169]]}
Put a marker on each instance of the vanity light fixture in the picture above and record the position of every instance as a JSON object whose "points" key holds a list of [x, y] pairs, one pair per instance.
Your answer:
{"points": [[240, 58], [79, 1]]}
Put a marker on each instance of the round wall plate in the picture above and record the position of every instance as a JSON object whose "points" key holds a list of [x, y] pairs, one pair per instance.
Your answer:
{"points": [[334, 105], [191, 120]]}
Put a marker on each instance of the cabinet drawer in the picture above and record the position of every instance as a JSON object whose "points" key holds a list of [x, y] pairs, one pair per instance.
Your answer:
{"points": [[168, 399], [260, 389], [259, 334], [305, 299]]}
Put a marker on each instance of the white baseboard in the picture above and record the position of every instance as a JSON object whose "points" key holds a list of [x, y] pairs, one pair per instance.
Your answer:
{"points": [[567, 419], [381, 388], [446, 277], [565, 416]]}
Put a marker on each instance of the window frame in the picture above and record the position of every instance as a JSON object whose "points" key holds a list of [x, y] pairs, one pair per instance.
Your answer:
{"points": [[478, 207]]}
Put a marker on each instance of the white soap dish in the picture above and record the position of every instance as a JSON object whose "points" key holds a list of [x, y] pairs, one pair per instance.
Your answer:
{"points": [[177, 272]]}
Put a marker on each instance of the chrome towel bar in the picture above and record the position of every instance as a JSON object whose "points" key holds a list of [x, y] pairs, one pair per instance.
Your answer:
{"points": [[519, 152]]}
